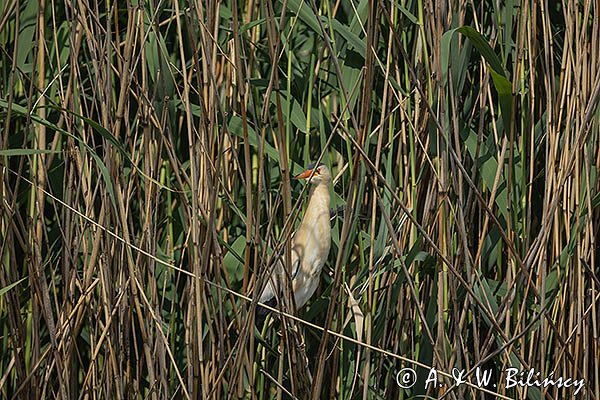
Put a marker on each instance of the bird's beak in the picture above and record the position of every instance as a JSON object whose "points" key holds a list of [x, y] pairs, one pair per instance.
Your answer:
{"points": [[304, 174]]}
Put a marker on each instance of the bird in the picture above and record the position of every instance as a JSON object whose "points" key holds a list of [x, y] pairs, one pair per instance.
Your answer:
{"points": [[310, 245]]}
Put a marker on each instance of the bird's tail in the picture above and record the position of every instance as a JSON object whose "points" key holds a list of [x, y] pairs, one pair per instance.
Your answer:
{"points": [[261, 313]]}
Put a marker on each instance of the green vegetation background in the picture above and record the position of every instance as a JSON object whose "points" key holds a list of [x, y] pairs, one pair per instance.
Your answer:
{"points": [[145, 160]]}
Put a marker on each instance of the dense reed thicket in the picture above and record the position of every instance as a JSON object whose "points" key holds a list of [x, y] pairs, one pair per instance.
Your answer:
{"points": [[146, 152]]}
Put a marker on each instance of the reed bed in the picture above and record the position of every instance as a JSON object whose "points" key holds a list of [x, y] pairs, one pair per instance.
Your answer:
{"points": [[145, 160]]}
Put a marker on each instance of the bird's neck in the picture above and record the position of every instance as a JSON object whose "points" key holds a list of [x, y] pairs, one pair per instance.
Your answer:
{"points": [[318, 204]]}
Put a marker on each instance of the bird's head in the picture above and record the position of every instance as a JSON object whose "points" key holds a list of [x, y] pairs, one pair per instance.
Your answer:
{"points": [[321, 174]]}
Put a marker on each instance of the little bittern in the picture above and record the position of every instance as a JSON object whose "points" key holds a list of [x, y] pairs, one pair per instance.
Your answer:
{"points": [[310, 243]]}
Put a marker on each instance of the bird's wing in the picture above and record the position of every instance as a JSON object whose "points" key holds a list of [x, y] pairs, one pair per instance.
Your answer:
{"points": [[277, 274]]}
